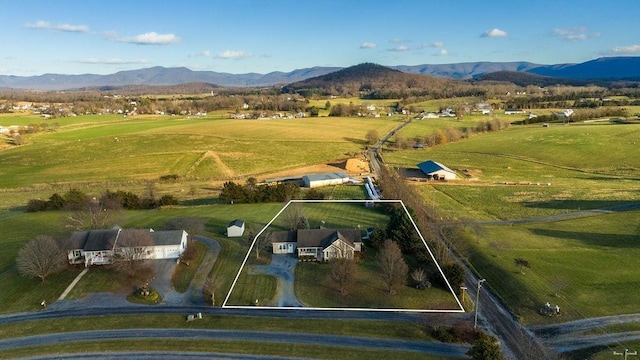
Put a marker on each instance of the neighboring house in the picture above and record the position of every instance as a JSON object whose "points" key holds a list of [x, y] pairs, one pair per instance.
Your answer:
{"points": [[235, 228], [318, 244], [326, 179], [97, 247], [437, 171], [511, 111]]}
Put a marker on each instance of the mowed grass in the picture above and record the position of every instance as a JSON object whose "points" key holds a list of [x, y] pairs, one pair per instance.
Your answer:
{"points": [[113, 149], [586, 265]]}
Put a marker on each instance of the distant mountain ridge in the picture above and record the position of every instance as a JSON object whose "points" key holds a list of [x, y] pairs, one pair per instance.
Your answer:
{"points": [[607, 68]]}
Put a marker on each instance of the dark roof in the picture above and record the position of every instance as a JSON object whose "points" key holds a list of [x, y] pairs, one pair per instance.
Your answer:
{"points": [[325, 237], [167, 237], [99, 240], [236, 222], [77, 240], [430, 166], [283, 236]]}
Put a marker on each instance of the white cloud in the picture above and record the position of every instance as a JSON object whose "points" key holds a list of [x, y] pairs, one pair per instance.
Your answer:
{"points": [[626, 50], [112, 61], [232, 54], [442, 52], [151, 38], [368, 45], [495, 32], [399, 48], [205, 53], [45, 25], [574, 33], [437, 44]]}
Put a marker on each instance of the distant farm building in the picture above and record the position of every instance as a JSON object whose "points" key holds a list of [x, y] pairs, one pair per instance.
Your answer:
{"points": [[325, 179], [436, 171], [235, 228], [511, 111]]}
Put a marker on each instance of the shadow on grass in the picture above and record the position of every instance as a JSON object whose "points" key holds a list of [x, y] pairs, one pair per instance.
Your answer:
{"points": [[592, 239], [578, 205]]}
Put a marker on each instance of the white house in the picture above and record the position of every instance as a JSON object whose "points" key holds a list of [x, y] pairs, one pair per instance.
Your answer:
{"points": [[235, 228], [325, 179], [97, 247], [437, 171]]}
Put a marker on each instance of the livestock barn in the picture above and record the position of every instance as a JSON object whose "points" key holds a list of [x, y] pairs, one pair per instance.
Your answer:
{"points": [[436, 171], [325, 179]]}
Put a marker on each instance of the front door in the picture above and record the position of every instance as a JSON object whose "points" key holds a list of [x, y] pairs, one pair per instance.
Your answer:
{"points": [[290, 249]]}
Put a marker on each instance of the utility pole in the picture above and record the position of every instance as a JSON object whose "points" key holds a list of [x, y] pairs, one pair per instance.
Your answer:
{"points": [[475, 321], [625, 353]]}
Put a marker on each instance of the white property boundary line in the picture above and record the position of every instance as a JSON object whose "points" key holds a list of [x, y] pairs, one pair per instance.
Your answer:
{"points": [[424, 242]]}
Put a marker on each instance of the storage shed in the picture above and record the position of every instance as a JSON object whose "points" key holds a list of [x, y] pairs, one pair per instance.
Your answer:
{"points": [[235, 228]]}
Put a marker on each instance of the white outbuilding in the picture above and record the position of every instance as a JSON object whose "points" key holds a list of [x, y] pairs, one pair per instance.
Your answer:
{"points": [[325, 179], [235, 228], [437, 171]]}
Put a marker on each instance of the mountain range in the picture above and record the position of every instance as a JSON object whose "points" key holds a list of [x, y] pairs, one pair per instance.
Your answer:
{"points": [[607, 68]]}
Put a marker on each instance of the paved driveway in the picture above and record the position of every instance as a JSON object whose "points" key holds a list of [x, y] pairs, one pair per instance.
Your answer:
{"points": [[283, 267]]}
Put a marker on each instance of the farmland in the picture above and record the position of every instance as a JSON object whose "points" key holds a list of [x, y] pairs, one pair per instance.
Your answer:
{"points": [[523, 172]]}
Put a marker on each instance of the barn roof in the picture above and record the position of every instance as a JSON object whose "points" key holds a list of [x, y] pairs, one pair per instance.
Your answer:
{"points": [[430, 167], [326, 176]]}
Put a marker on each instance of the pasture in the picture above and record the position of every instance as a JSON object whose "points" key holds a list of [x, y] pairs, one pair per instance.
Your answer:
{"points": [[106, 149]]}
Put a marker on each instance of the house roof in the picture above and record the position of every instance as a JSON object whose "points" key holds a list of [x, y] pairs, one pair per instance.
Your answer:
{"points": [[284, 236], [326, 176], [77, 240], [325, 237], [167, 237], [236, 222], [100, 240], [430, 167]]}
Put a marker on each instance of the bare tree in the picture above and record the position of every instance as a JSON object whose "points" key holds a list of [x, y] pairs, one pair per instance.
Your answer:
{"points": [[372, 137], [40, 257], [295, 218], [130, 253], [393, 268], [262, 243], [210, 286], [192, 225], [94, 214], [342, 273]]}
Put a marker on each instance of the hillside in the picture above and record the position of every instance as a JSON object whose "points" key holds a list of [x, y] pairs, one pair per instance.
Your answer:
{"points": [[606, 68], [525, 79], [373, 79]]}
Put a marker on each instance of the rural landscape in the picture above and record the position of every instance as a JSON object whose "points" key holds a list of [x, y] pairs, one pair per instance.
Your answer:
{"points": [[292, 180]]}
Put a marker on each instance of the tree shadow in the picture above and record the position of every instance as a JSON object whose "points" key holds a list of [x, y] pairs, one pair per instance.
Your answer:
{"points": [[592, 239], [578, 205]]}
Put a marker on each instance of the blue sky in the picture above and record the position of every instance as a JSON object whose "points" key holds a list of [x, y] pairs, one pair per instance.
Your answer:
{"points": [[242, 36]]}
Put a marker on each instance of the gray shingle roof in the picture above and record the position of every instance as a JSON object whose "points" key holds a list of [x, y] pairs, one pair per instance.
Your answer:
{"points": [[318, 237], [99, 240], [167, 237]]}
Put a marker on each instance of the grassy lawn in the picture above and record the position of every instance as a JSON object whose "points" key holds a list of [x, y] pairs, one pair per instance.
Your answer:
{"points": [[315, 288], [221, 346], [567, 259], [184, 272]]}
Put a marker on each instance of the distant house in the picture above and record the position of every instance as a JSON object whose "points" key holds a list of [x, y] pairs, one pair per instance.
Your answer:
{"points": [[512, 111], [325, 179], [97, 247], [235, 228], [566, 113], [318, 244], [437, 171]]}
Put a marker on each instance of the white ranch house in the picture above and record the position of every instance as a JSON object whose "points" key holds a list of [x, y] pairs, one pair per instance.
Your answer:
{"points": [[97, 247]]}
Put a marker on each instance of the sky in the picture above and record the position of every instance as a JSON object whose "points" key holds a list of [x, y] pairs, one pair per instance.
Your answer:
{"points": [[262, 36]]}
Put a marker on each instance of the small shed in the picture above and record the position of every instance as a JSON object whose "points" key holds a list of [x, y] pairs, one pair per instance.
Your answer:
{"points": [[235, 228], [437, 171], [325, 179]]}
